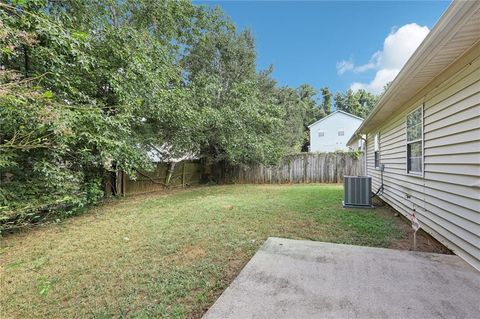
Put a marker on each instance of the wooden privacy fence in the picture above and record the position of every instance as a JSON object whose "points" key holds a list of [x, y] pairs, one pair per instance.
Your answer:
{"points": [[165, 175], [300, 168]]}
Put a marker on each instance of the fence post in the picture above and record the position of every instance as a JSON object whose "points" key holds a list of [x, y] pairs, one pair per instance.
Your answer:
{"points": [[336, 168], [124, 183], [305, 168], [290, 173], [183, 175]]}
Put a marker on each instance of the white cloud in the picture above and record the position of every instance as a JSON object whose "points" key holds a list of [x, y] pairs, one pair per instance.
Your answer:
{"points": [[398, 46], [365, 67], [344, 66], [382, 77]]}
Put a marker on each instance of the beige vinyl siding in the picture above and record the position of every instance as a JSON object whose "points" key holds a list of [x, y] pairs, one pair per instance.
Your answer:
{"points": [[446, 197]]}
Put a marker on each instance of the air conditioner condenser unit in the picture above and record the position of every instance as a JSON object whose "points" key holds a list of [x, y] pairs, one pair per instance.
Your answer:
{"points": [[357, 192]]}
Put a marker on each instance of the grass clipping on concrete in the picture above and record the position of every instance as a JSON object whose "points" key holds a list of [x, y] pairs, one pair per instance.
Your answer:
{"points": [[170, 255]]}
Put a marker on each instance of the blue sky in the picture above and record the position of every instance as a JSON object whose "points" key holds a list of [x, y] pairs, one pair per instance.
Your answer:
{"points": [[339, 44]]}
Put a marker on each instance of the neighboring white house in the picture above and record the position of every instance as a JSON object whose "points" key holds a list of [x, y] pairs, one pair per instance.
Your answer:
{"points": [[332, 132], [425, 132]]}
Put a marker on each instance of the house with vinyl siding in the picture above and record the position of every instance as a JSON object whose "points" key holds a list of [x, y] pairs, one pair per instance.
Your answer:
{"points": [[331, 133], [425, 133]]}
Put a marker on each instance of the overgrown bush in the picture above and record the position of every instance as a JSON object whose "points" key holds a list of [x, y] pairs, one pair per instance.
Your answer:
{"points": [[56, 142]]}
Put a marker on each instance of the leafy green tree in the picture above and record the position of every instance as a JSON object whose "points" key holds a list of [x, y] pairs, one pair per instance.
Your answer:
{"points": [[326, 100], [366, 102], [239, 123], [353, 105], [294, 118], [358, 103], [312, 111], [340, 102], [136, 48]]}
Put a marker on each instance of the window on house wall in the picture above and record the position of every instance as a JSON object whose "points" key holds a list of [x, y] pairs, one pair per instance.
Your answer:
{"points": [[321, 133], [341, 132], [376, 150], [415, 142]]}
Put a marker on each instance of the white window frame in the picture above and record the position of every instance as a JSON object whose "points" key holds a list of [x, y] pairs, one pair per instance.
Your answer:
{"points": [[421, 139], [320, 131], [376, 149], [341, 130]]}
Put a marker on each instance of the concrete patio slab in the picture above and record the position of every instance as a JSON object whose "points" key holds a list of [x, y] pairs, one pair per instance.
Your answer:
{"points": [[306, 279]]}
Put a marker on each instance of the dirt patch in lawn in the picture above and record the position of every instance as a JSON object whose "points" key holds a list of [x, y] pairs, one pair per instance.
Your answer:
{"points": [[425, 242], [189, 254]]}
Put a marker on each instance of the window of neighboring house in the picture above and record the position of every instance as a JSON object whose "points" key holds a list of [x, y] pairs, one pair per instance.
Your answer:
{"points": [[415, 142], [341, 132], [376, 150], [321, 133]]}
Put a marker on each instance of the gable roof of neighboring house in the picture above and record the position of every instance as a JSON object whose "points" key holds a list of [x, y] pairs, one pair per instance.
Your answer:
{"points": [[457, 31], [331, 114]]}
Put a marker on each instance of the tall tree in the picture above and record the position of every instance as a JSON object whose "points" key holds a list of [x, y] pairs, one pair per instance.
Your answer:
{"points": [[358, 103], [366, 101], [353, 105], [312, 111], [293, 134], [341, 103], [239, 123], [326, 100]]}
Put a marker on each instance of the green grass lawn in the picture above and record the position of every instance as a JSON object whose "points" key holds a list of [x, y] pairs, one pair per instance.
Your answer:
{"points": [[170, 255]]}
